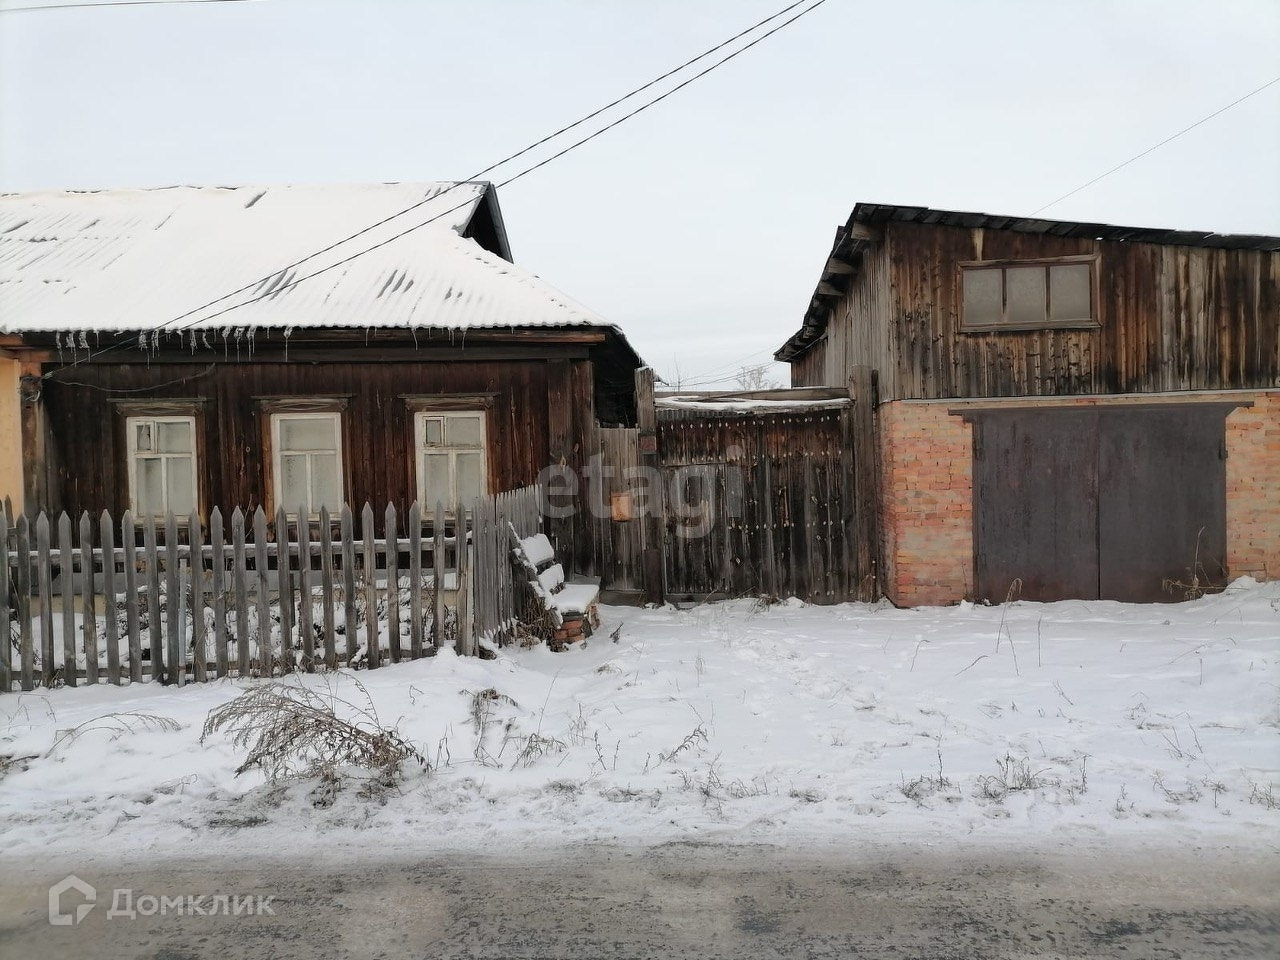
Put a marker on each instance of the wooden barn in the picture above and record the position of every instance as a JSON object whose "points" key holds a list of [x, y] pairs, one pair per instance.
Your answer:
{"points": [[1061, 410], [429, 367]]}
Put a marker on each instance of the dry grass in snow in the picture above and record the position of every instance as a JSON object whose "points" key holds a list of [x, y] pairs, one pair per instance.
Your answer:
{"points": [[785, 723]]}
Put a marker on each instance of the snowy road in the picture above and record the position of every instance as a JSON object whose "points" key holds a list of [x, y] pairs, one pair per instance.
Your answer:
{"points": [[681, 900]]}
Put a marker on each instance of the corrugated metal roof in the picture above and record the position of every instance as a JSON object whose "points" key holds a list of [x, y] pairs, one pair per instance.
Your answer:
{"points": [[848, 243], [129, 260], [874, 214]]}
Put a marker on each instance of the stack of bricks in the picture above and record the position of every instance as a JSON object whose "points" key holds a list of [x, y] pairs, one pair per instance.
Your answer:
{"points": [[575, 627]]}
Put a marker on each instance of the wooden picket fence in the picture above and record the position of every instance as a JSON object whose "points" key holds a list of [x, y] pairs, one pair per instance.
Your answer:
{"points": [[178, 601]]}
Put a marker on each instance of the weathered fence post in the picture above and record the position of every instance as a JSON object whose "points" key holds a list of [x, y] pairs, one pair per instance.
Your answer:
{"points": [[6, 643], [326, 588], [240, 589], [481, 594], [155, 626], [285, 589], [107, 529], [415, 580], [89, 623], [370, 587], [466, 634], [349, 583], [437, 571], [199, 655], [177, 673], [26, 644], [651, 522], [129, 544], [44, 588], [184, 574], [393, 583], [305, 630], [218, 571], [266, 667], [67, 561]]}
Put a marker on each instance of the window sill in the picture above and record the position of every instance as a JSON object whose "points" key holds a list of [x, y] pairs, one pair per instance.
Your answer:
{"points": [[1030, 327]]}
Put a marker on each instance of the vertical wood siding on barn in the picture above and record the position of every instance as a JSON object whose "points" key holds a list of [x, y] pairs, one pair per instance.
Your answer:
{"points": [[858, 330], [1172, 318]]}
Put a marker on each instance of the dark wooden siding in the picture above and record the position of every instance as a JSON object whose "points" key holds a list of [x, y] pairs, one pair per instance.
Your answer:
{"points": [[810, 369], [858, 327], [1172, 318], [805, 527], [87, 462]]}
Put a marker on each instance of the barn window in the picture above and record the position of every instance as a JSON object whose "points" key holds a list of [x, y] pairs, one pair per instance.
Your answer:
{"points": [[307, 461], [451, 456], [1027, 295], [162, 465]]}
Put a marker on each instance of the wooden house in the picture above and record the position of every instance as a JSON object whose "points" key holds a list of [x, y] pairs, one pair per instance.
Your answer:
{"points": [[176, 348], [1057, 409]]}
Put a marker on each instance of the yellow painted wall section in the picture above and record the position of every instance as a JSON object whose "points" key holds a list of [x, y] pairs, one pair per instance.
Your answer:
{"points": [[10, 433]]}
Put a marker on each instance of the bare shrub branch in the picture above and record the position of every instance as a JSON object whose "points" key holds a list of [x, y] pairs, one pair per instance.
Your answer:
{"points": [[291, 730]]}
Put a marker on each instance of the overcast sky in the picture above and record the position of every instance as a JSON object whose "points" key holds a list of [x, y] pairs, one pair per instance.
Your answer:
{"points": [[701, 225]]}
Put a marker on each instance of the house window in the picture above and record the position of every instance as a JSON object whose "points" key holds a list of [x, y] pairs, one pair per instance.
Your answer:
{"points": [[307, 461], [162, 465], [451, 457], [1028, 295]]}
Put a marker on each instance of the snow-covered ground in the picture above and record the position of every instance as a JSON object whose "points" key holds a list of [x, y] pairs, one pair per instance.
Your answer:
{"points": [[787, 724]]}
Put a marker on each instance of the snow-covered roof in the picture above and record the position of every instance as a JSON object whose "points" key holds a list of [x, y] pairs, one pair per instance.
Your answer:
{"points": [[129, 260], [721, 403]]}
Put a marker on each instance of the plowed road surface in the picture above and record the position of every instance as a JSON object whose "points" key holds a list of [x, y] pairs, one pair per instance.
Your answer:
{"points": [[673, 900]]}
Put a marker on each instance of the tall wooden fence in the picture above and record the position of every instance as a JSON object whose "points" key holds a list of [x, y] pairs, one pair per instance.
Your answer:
{"points": [[247, 595], [770, 499]]}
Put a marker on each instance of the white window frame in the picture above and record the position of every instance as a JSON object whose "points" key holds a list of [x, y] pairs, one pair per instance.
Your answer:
{"points": [[134, 455], [278, 452], [420, 451]]}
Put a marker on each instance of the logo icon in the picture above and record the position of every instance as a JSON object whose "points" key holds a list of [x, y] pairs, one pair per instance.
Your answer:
{"points": [[56, 916]]}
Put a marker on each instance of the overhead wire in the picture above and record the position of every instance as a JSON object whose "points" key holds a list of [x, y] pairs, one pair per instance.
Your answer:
{"points": [[109, 3], [1152, 149], [276, 289]]}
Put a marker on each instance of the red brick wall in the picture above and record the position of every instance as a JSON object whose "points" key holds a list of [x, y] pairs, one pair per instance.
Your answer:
{"points": [[926, 503], [927, 495], [1253, 488]]}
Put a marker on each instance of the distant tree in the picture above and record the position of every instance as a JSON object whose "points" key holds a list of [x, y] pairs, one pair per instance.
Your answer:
{"points": [[756, 378]]}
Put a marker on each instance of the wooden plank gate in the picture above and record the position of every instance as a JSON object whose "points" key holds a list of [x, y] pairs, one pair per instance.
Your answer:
{"points": [[764, 498]]}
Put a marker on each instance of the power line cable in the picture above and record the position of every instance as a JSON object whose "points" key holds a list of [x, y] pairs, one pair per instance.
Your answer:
{"points": [[1121, 166], [110, 3], [480, 173], [510, 180], [727, 372], [275, 290]]}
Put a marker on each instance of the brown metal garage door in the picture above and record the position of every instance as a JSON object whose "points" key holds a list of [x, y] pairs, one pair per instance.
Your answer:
{"points": [[1099, 502], [1035, 508]]}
